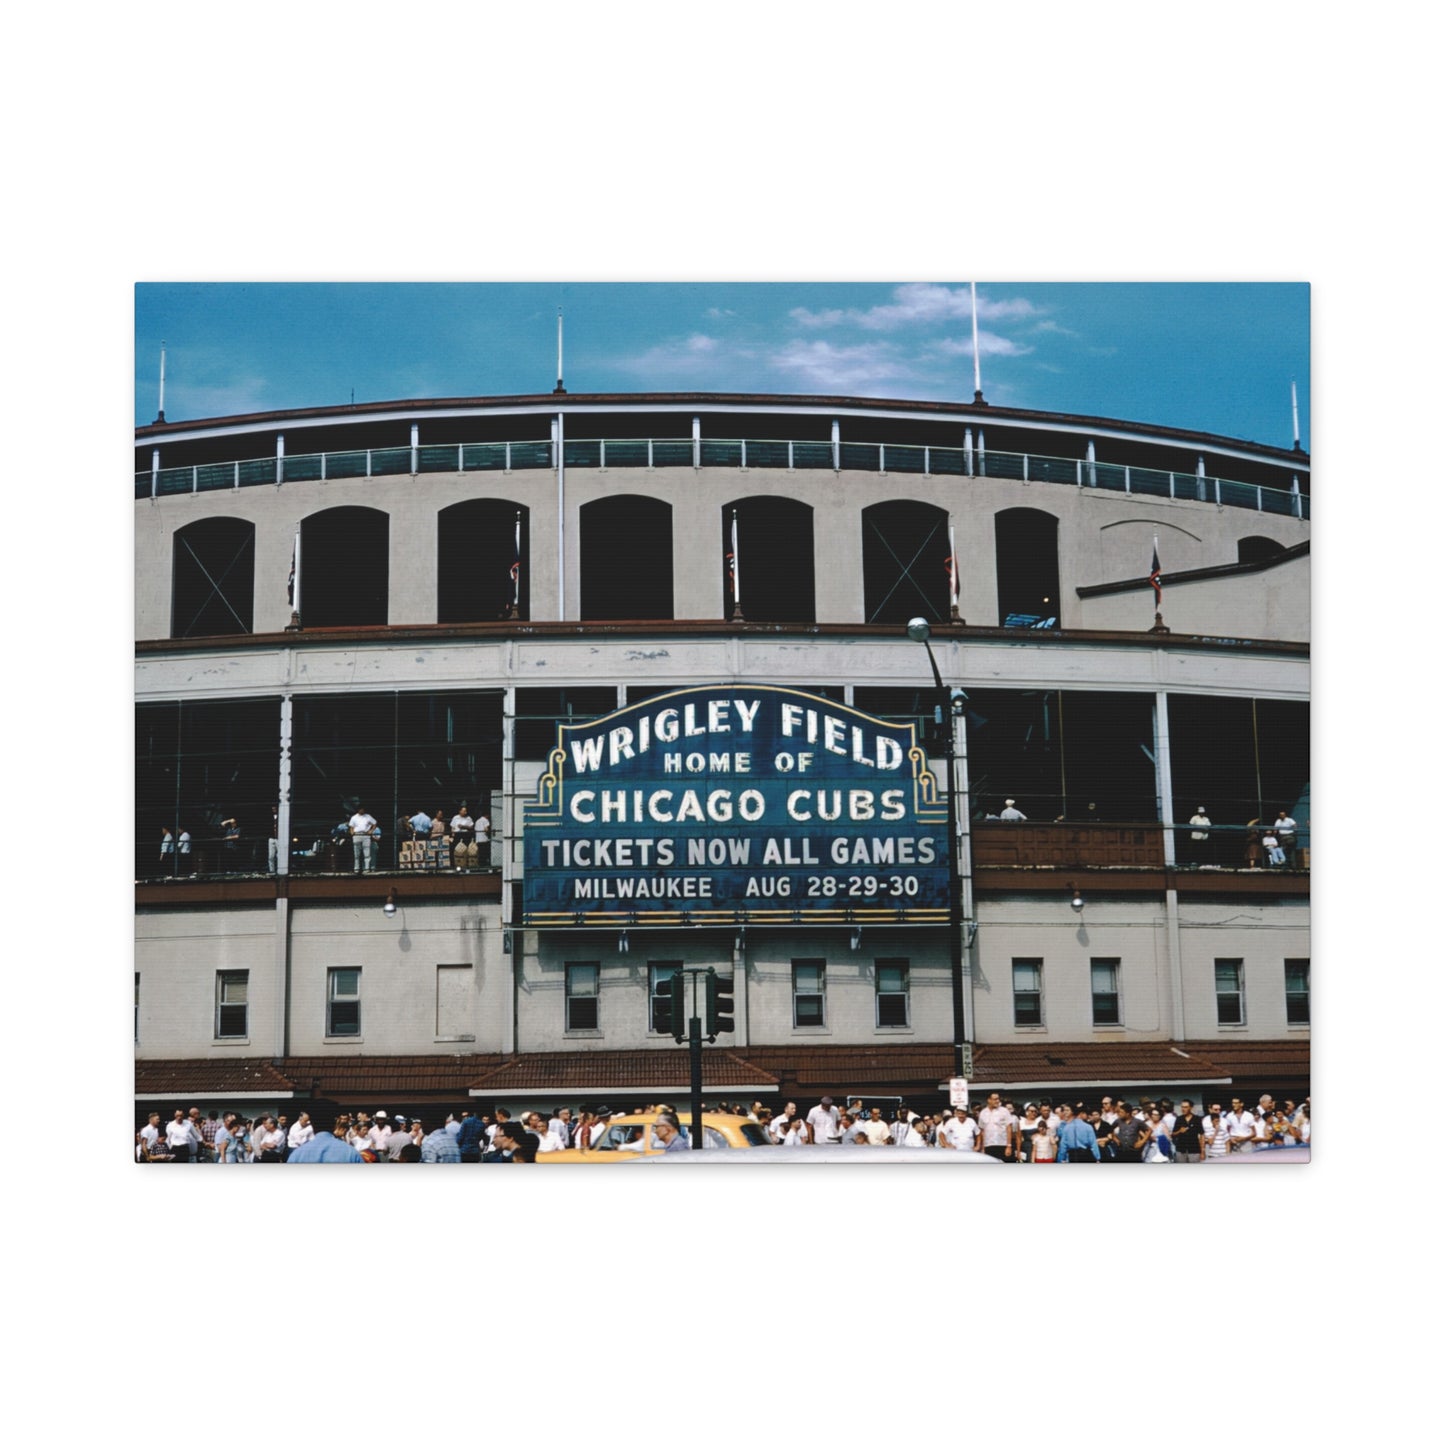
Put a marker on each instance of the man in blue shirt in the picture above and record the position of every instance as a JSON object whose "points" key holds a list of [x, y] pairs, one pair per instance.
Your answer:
{"points": [[328, 1148], [470, 1138], [1078, 1144], [440, 1146]]}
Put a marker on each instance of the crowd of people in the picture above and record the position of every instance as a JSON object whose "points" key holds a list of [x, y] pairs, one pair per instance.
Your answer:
{"points": [[1146, 1131], [1115, 1131], [425, 841]]}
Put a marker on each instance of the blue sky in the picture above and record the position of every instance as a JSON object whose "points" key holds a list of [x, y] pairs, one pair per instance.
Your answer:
{"points": [[1217, 357]]}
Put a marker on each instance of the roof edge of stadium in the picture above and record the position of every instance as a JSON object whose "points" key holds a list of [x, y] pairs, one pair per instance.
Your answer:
{"points": [[752, 401]]}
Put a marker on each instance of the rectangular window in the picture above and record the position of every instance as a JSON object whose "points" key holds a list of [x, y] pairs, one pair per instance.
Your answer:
{"points": [[582, 1000], [343, 1003], [454, 1002], [1028, 992], [808, 978], [1229, 989], [231, 1006], [1104, 982], [1297, 990], [891, 983], [659, 998]]}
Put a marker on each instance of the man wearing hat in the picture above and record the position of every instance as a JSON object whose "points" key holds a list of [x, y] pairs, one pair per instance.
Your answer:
{"points": [[1011, 814], [823, 1122]]}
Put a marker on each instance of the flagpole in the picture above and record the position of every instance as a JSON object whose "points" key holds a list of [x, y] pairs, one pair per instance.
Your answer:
{"points": [[1293, 406], [559, 389], [952, 577], [295, 623], [1154, 581], [737, 573], [514, 611], [977, 374], [161, 412]]}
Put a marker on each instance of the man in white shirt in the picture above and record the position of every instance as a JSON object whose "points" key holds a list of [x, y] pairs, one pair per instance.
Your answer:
{"points": [[1240, 1123], [1285, 829], [783, 1122], [379, 1133], [1215, 1134], [483, 857], [875, 1129], [998, 1129], [464, 836], [363, 829], [300, 1132], [561, 1127], [151, 1132], [959, 1132], [180, 1134], [823, 1121], [1199, 838], [1011, 814]]}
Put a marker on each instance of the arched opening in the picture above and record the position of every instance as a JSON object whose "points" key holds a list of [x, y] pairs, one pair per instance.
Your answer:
{"points": [[213, 578], [1026, 553], [1259, 549], [626, 559], [905, 562], [482, 561], [344, 563], [774, 561]]}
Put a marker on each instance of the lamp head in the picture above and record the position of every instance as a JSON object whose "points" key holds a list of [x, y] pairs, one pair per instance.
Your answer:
{"points": [[918, 629], [389, 907], [1077, 901]]}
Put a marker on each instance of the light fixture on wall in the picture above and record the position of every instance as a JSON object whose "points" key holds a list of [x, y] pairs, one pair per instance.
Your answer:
{"points": [[506, 940], [855, 939], [622, 944], [741, 941], [1077, 901], [389, 907]]}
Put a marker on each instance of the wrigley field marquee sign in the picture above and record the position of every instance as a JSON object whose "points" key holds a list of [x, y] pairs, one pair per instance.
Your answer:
{"points": [[736, 805]]}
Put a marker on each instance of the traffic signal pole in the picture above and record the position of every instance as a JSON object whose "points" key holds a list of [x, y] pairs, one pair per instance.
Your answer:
{"points": [[694, 1050], [717, 1005]]}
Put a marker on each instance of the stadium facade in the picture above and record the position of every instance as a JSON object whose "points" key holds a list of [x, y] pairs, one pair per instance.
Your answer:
{"points": [[393, 607]]}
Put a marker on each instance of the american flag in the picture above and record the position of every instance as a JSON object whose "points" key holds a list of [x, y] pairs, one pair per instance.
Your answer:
{"points": [[1155, 574]]}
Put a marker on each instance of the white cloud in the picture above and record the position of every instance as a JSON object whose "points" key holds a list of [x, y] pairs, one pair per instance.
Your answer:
{"points": [[990, 343], [823, 366], [919, 304], [718, 313], [680, 354]]}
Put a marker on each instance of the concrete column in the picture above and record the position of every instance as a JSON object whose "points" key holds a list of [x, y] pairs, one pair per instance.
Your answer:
{"points": [[697, 569], [280, 1043], [837, 562], [283, 793], [1163, 773], [411, 566]]}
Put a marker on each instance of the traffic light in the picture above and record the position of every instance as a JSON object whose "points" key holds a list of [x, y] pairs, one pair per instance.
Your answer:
{"points": [[676, 1007], [719, 994]]}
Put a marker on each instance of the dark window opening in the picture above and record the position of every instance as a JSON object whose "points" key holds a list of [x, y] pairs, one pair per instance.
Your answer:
{"points": [[1297, 990], [626, 559], [541, 709], [1026, 552], [1104, 985], [213, 578], [906, 563], [344, 568], [582, 980], [890, 982], [199, 766], [1028, 992], [775, 564], [1229, 990], [391, 754], [1243, 759], [479, 567]]}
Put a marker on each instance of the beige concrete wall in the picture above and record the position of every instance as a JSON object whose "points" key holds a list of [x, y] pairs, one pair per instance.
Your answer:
{"points": [[179, 953], [1046, 927], [1273, 603], [1103, 537], [623, 1010], [1263, 935]]}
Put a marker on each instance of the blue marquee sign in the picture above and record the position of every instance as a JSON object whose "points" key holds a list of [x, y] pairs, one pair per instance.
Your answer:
{"points": [[735, 805]]}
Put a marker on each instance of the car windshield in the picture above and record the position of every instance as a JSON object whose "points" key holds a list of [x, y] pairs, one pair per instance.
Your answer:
{"points": [[755, 1134], [623, 1136]]}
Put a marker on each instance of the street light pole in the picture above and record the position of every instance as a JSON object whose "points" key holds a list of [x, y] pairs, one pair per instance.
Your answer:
{"points": [[919, 631]]}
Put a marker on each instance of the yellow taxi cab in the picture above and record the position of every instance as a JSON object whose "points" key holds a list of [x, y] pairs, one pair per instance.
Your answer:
{"points": [[629, 1136]]}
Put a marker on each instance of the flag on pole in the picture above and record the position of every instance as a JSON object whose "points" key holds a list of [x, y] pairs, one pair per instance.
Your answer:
{"points": [[516, 572], [293, 582], [734, 565], [1155, 574]]}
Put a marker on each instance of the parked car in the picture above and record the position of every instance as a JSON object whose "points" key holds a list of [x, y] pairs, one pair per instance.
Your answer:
{"points": [[831, 1154], [629, 1137]]}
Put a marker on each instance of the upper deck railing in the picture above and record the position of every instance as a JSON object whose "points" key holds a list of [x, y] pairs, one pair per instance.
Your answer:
{"points": [[742, 453]]}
